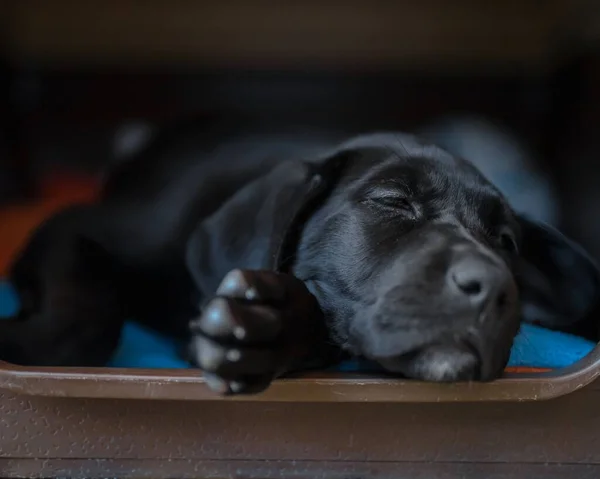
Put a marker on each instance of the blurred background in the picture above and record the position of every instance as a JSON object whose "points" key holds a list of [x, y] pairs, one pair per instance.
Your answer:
{"points": [[514, 83]]}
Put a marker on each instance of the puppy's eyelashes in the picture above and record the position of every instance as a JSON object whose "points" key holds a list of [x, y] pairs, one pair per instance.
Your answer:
{"points": [[391, 203], [508, 242], [394, 205]]}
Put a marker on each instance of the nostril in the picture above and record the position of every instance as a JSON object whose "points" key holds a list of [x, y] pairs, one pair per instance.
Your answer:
{"points": [[502, 301], [469, 286], [475, 277]]}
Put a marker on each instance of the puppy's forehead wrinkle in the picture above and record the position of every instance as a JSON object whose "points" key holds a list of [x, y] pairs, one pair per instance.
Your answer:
{"points": [[432, 177]]}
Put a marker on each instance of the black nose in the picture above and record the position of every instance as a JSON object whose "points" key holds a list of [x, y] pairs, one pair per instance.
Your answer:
{"points": [[478, 278]]}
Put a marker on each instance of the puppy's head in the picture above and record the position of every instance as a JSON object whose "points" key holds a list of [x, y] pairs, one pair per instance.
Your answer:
{"points": [[415, 258]]}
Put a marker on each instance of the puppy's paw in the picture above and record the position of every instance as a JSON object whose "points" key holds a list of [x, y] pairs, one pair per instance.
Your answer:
{"points": [[257, 326]]}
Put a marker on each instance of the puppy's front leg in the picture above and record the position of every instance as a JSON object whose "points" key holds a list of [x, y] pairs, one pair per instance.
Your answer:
{"points": [[260, 325]]}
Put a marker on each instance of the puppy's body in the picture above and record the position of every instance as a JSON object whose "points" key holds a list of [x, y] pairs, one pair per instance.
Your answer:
{"points": [[136, 238], [374, 227]]}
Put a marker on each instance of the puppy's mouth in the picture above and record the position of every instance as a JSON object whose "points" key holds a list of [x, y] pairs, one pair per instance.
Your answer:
{"points": [[440, 362], [474, 346]]}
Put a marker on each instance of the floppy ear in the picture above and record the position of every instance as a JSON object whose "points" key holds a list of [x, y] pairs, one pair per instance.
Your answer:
{"points": [[257, 227], [558, 280]]}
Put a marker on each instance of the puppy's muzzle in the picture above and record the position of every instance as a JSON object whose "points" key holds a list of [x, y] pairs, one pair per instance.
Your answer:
{"points": [[468, 323], [485, 288]]}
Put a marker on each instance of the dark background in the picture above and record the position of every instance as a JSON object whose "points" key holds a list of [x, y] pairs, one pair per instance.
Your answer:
{"points": [[73, 72]]}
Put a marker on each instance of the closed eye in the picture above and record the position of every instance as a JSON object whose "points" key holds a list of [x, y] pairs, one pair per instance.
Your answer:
{"points": [[391, 201]]}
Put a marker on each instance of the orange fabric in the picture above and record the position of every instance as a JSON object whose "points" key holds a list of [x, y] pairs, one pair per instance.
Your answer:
{"points": [[18, 221]]}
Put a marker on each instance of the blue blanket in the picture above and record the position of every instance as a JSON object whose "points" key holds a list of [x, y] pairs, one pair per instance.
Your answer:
{"points": [[142, 348]]}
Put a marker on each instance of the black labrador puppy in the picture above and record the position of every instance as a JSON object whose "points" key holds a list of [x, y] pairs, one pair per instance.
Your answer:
{"points": [[275, 253]]}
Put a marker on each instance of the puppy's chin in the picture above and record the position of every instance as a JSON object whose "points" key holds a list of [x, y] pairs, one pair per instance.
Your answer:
{"points": [[441, 363]]}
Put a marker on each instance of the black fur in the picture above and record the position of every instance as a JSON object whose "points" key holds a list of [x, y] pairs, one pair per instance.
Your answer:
{"points": [[376, 228]]}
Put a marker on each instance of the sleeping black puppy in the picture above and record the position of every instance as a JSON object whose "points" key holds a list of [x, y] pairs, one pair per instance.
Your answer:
{"points": [[274, 253]]}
